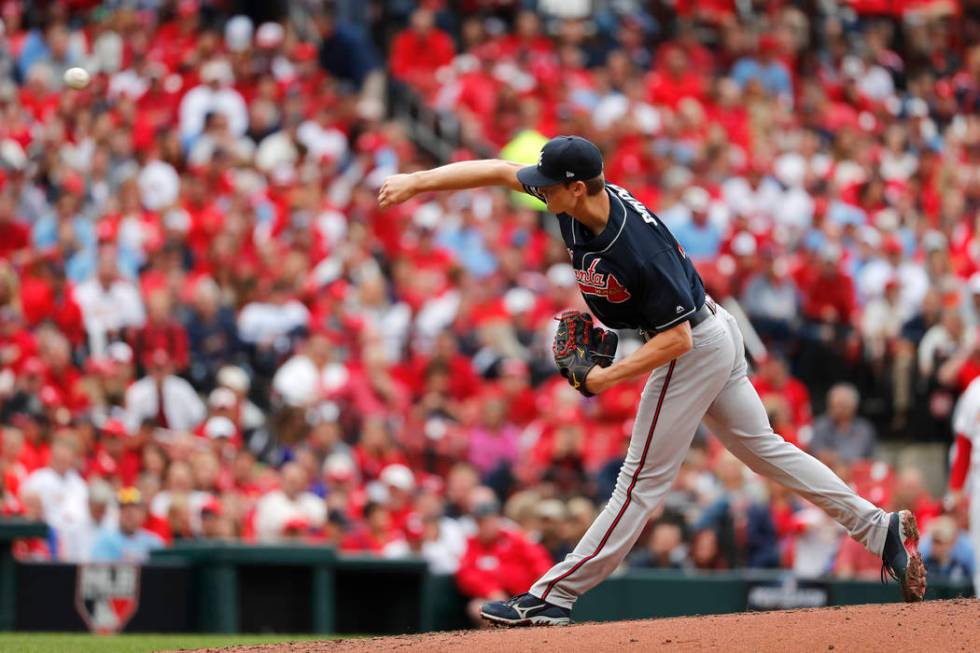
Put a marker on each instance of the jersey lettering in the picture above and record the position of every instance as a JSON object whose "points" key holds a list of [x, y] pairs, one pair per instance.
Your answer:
{"points": [[602, 285], [635, 203]]}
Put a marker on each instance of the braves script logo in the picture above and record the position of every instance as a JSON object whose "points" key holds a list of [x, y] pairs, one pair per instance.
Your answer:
{"points": [[106, 596], [602, 285]]}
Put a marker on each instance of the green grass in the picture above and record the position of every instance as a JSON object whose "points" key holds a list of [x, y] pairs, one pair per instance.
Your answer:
{"points": [[85, 643]]}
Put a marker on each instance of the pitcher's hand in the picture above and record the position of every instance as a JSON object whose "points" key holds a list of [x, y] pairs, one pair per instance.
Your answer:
{"points": [[396, 189]]}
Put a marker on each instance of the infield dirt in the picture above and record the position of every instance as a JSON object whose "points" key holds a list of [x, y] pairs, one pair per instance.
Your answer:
{"points": [[947, 626]]}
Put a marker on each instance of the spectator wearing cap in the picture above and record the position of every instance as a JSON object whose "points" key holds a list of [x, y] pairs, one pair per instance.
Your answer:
{"points": [[223, 436], [214, 95], [772, 301], [400, 483], [109, 303], [248, 416], [163, 397], [841, 435], [375, 533], [345, 51], [115, 455], [419, 50], [130, 542], [60, 488], [498, 562], [881, 323], [161, 331], [292, 501], [894, 265], [215, 524], [341, 488]]}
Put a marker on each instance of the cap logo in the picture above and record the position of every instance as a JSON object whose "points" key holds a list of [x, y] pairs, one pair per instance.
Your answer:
{"points": [[569, 174]]}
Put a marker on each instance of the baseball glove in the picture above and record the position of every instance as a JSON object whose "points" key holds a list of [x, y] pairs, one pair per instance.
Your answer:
{"points": [[579, 346]]}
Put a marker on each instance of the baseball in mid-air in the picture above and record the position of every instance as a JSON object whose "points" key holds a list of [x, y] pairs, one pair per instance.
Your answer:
{"points": [[77, 78]]}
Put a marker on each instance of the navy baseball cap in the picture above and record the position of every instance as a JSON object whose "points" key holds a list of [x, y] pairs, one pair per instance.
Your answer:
{"points": [[563, 158]]}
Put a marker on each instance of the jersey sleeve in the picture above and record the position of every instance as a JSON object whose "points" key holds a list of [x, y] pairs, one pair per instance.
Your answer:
{"points": [[667, 293], [966, 416]]}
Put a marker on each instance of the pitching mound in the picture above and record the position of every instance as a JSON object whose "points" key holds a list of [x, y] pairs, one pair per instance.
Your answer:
{"points": [[933, 625]]}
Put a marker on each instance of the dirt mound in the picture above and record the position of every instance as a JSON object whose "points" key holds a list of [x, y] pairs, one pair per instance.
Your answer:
{"points": [[930, 626]]}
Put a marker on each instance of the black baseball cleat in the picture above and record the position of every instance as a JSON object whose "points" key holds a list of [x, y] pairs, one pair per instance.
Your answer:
{"points": [[901, 559], [525, 610]]}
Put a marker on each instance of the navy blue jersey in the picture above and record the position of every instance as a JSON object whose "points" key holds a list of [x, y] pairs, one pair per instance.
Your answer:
{"points": [[633, 275]]}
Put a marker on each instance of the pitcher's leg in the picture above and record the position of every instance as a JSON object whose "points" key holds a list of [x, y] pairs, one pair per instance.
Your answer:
{"points": [[671, 409], [738, 418], [617, 527]]}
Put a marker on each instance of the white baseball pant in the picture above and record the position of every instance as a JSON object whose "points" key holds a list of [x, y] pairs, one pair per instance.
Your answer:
{"points": [[709, 382]]}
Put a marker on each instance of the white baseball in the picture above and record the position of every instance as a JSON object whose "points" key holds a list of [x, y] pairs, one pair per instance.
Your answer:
{"points": [[77, 78]]}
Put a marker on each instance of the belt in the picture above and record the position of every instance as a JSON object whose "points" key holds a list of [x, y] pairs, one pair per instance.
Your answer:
{"points": [[708, 308]]}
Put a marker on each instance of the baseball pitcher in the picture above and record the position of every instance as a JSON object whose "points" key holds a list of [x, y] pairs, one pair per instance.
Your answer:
{"points": [[634, 275]]}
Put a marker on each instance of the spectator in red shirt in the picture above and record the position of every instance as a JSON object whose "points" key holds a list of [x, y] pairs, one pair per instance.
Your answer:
{"points": [[375, 534], [674, 80], [420, 50], [774, 382], [828, 291], [15, 236], [162, 330], [376, 450], [498, 562]]}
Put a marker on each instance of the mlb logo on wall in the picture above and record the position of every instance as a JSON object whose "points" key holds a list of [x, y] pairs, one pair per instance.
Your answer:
{"points": [[106, 595]]}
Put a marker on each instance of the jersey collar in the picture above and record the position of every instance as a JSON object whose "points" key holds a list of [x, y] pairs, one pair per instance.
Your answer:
{"points": [[609, 234]]}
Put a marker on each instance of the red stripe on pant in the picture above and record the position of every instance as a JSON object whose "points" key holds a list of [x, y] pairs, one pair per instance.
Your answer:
{"points": [[629, 491]]}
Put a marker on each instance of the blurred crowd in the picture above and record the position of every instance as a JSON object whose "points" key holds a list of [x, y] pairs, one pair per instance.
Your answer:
{"points": [[209, 331]]}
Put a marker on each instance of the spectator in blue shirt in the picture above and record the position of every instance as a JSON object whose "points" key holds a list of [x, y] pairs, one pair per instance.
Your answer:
{"points": [[697, 235], [946, 551], [68, 228], [466, 242], [766, 69], [130, 542], [345, 50]]}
